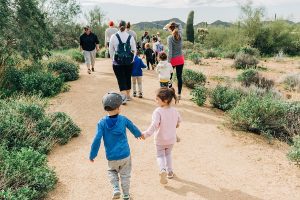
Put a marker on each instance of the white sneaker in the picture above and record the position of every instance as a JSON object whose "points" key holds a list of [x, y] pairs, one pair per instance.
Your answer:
{"points": [[124, 99], [116, 194], [163, 177]]}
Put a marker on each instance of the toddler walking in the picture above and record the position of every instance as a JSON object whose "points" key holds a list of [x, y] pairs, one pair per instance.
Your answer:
{"points": [[164, 70], [149, 56], [137, 75], [112, 129], [165, 120]]}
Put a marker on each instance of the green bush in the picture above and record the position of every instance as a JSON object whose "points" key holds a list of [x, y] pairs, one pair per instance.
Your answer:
{"points": [[31, 80], [250, 51], [260, 114], [77, 56], [211, 54], [24, 174], [192, 78], [188, 45], [292, 82], [252, 77], [248, 77], [229, 54], [68, 69], [195, 58], [24, 123], [225, 98], [44, 83], [102, 53], [294, 153], [245, 61], [199, 94]]}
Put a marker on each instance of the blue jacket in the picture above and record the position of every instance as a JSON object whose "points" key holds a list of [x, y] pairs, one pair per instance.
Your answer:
{"points": [[113, 131], [137, 67]]}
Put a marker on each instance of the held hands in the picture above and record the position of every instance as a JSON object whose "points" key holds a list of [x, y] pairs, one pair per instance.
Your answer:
{"points": [[142, 137]]}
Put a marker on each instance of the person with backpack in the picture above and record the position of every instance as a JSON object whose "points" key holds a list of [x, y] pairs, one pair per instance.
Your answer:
{"points": [[122, 49]]}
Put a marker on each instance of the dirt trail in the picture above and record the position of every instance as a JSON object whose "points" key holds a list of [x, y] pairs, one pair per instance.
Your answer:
{"points": [[211, 162]]}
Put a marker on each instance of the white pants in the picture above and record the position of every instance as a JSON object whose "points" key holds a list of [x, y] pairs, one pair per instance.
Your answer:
{"points": [[137, 79], [89, 57], [164, 157]]}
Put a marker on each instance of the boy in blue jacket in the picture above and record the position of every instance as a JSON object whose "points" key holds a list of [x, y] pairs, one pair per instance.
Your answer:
{"points": [[137, 75], [112, 129]]}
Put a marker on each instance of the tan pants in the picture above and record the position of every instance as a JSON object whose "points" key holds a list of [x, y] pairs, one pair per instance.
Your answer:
{"points": [[137, 79], [89, 57]]}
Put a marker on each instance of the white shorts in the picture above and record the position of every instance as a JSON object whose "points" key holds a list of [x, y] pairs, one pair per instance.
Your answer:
{"points": [[89, 57]]}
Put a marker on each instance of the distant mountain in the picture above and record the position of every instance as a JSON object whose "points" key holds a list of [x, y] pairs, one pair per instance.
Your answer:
{"points": [[216, 23], [155, 24]]}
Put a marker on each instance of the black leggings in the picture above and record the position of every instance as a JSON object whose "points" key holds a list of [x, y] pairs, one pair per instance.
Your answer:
{"points": [[123, 75], [179, 69]]}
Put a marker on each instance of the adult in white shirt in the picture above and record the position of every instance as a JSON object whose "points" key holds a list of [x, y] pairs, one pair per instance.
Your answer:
{"points": [[122, 71], [109, 32]]}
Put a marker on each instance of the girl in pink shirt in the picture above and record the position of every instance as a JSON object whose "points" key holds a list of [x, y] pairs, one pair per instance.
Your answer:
{"points": [[165, 120]]}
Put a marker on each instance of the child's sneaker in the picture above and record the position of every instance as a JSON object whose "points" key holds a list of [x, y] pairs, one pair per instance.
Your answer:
{"points": [[163, 177], [134, 94], [126, 197], [170, 175], [116, 193], [140, 95]]}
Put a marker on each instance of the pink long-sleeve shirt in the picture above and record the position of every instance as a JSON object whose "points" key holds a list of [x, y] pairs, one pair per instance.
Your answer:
{"points": [[163, 126]]}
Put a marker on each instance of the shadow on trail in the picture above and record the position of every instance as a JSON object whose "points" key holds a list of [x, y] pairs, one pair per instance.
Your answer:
{"points": [[208, 193]]}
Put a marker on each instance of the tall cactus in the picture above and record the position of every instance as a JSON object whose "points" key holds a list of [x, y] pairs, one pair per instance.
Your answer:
{"points": [[190, 27]]}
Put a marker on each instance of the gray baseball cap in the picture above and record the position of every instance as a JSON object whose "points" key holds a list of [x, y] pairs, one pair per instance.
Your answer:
{"points": [[111, 101]]}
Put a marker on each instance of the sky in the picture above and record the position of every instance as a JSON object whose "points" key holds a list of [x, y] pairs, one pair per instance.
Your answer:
{"points": [[205, 10]]}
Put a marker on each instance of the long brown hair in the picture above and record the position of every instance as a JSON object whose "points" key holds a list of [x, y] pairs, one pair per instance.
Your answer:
{"points": [[175, 32], [166, 94]]}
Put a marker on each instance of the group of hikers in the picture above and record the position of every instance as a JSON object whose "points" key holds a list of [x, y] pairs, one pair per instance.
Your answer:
{"points": [[126, 55]]}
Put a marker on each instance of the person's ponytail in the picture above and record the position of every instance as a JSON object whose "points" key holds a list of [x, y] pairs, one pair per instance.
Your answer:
{"points": [[122, 28], [176, 34], [172, 90]]}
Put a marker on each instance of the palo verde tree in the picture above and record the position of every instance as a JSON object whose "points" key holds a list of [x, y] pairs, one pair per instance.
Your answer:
{"points": [[190, 27]]}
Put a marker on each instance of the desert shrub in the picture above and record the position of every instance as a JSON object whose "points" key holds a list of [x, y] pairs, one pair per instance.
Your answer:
{"points": [[292, 119], [199, 94], [102, 53], [292, 82], [260, 114], [225, 98], [187, 52], [294, 153], [24, 174], [192, 78], [229, 54], [250, 51], [188, 45], [31, 80], [211, 54], [195, 58], [25, 123], [77, 56], [252, 77], [44, 83], [68, 69], [244, 61], [248, 77]]}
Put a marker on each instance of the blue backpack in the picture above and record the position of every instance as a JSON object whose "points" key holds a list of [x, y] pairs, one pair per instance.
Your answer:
{"points": [[123, 55]]}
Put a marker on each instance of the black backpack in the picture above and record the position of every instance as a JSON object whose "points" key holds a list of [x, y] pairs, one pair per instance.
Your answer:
{"points": [[123, 55]]}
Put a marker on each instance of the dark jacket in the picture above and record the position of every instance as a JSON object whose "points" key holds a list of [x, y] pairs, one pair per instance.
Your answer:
{"points": [[88, 42]]}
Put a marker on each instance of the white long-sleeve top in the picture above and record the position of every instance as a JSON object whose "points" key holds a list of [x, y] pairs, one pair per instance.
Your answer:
{"points": [[109, 32], [114, 42], [164, 70]]}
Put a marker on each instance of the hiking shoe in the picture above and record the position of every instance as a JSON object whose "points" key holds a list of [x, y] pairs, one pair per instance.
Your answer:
{"points": [[140, 95], [128, 98], [93, 69], [163, 177], [116, 194], [124, 99], [170, 175], [89, 71], [134, 94], [126, 197]]}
